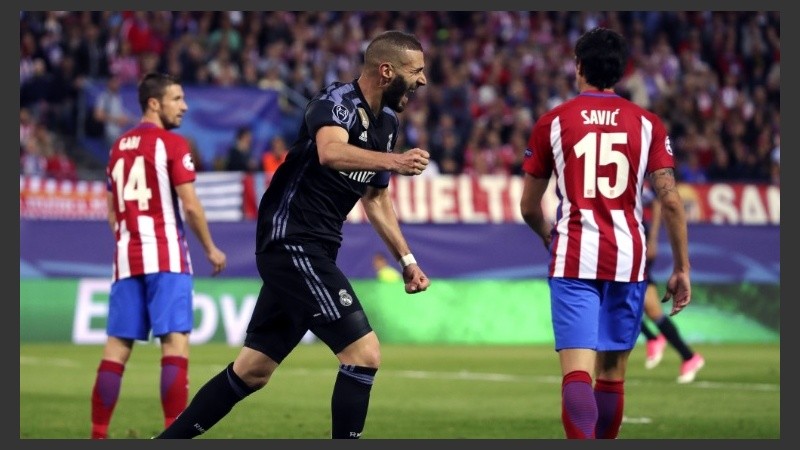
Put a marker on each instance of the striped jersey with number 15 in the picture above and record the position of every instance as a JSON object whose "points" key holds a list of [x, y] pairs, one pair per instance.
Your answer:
{"points": [[600, 147]]}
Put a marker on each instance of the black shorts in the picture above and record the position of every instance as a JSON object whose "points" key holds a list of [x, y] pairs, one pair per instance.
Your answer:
{"points": [[303, 289]]}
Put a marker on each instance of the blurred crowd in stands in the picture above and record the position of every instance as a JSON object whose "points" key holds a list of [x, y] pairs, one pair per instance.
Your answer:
{"points": [[714, 77]]}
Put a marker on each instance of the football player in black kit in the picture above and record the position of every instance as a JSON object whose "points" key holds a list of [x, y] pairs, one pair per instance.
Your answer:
{"points": [[343, 154]]}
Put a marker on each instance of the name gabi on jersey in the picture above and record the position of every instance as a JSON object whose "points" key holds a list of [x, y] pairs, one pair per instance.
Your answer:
{"points": [[599, 117], [129, 143], [362, 176]]}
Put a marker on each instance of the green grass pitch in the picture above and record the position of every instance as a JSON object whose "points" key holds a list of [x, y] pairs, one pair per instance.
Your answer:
{"points": [[420, 392]]}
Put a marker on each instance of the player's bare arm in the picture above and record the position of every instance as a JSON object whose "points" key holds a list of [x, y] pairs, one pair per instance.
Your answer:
{"points": [[111, 214], [663, 182], [530, 205], [673, 213], [336, 153], [655, 227], [196, 219], [674, 216], [380, 211]]}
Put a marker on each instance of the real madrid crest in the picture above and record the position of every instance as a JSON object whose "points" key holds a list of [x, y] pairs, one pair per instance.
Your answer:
{"points": [[345, 298]]}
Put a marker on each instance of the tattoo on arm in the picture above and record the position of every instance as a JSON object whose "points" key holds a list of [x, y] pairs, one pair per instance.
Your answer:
{"points": [[663, 181]]}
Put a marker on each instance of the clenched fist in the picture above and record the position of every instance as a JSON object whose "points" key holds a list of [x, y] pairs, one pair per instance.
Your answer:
{"points": [[413, 162]]}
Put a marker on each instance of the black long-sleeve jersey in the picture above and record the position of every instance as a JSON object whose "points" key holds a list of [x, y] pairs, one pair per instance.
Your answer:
{"points": [[307, 202]]}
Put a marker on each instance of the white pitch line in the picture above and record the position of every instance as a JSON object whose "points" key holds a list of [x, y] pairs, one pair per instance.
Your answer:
{"points": [[473, 376], [460, 375], [636, 420], [465, 375]]}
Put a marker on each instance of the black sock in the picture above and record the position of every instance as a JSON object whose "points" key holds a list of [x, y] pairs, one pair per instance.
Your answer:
{"points": [[211, 403], [649, 335], [350, 401], [670, 331]]}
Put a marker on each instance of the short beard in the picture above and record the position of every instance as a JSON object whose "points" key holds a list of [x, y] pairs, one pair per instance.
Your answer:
{"points": [[394, 94], [168, 124]]}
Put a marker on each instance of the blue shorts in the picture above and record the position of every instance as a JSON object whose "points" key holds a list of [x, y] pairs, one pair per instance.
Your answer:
{"points": [[596, 314], [161, 302]]}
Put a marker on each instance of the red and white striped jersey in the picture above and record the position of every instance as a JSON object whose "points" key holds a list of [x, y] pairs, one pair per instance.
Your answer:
{"points": [[600, 147], [145, 165]]}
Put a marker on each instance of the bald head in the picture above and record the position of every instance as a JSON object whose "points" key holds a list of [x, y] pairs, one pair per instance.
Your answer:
{"points": [[390, 46]]}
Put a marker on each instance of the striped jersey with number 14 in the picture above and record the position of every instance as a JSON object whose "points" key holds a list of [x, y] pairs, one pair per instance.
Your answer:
{"points": [[145, 165]]}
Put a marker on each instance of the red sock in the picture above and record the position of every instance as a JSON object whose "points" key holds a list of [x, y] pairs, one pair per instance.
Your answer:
{"points": [[578, 407], [104, 396], [174, 387], [610, 396]]}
